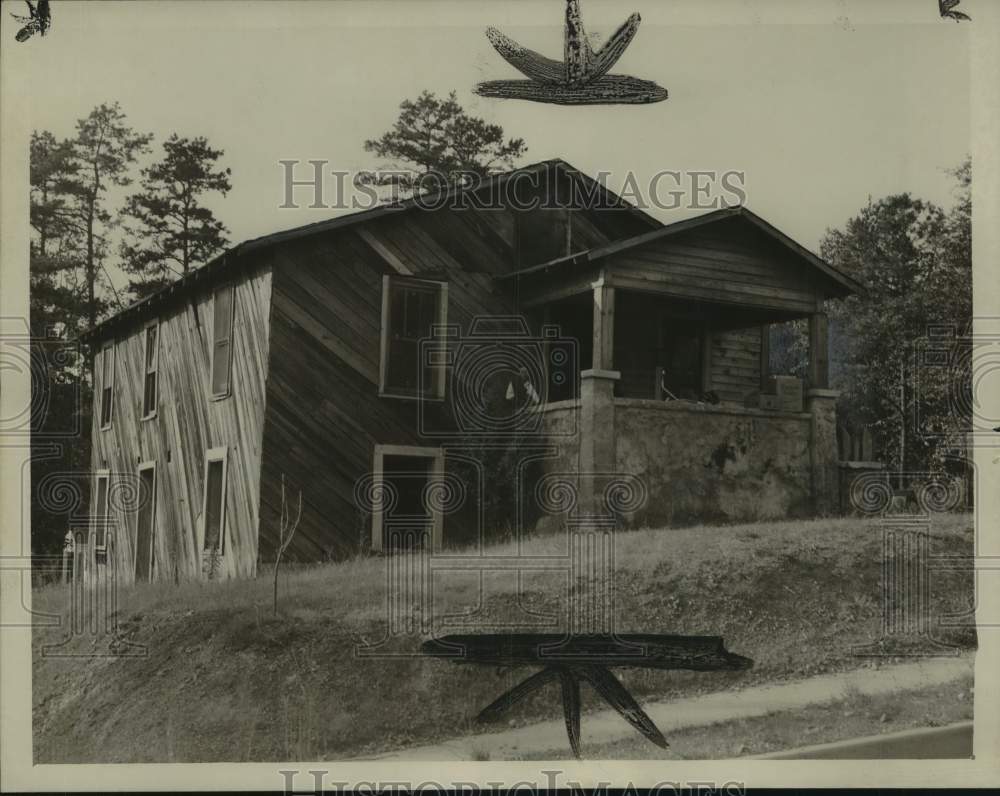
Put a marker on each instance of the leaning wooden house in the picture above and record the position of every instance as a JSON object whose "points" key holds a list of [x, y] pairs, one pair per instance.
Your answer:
{"points": [[373, 361]]}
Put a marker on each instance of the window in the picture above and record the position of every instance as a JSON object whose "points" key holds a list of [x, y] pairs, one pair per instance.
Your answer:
{"points": [[145, 522], [408, 519], [101, 478], [214, 507], [149, 381], [222, 341], [107, 383], [410, 308]]}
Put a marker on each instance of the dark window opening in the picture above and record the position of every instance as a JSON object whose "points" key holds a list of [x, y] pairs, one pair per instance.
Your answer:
{"points": [[107, 383], [149, 381], [407, 522], [222, 333], [145, 524], [101, 512], [413, 308], [215, 506]]}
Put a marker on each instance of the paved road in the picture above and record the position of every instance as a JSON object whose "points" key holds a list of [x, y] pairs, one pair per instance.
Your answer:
{"points": [[607, 726], [926, 743]]}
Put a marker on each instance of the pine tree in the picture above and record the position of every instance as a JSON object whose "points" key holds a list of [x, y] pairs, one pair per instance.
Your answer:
{"points": [[435, 136], [103, 152], [168, 230]]}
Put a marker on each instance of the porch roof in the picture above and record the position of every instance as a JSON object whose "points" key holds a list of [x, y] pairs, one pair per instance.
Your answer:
{"points": [[836, 282]]}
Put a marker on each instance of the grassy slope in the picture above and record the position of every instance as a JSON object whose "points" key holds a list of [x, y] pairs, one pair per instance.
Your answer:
{"points": [[225, 680]]}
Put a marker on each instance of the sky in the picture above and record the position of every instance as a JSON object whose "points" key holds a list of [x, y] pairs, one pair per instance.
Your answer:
{"points": [[822, 105]]}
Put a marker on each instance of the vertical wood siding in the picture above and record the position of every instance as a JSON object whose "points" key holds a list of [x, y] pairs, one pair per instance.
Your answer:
{"points": [[187, 423]]}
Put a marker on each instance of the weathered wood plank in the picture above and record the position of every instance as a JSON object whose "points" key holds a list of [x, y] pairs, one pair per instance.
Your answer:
{"points": [[187, 423]]}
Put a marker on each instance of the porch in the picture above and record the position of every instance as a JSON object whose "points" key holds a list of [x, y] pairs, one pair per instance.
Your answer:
{"points": [[674, 384]]}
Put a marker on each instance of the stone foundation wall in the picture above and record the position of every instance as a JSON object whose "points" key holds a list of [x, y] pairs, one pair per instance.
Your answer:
{"points": [[708, 464], [714, 464]]}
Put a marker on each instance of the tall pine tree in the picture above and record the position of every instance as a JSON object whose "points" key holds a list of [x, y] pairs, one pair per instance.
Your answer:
{"points": [[169, 231], [433, 136], [103, 152]]}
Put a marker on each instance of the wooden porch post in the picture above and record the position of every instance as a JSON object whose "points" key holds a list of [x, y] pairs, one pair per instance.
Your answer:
{"points": [[819, 354], [597, 403], [604, 326], [821, 403]]}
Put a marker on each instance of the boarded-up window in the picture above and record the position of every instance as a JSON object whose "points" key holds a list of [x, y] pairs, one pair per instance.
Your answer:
{"points": [[100, 510], [145, 523], [410, 308], [215, 501], [107, 383], [149, 381], [222, 345]]}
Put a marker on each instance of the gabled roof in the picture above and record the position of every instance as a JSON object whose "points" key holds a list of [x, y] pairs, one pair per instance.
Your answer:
{"points": [[848, 283], [229, 258]]}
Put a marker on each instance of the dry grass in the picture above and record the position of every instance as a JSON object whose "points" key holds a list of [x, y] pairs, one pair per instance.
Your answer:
{"points": [[223, 679]]}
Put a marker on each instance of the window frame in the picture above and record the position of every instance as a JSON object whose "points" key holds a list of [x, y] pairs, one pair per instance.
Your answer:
{"points": [[384, 391], [106, 476], [147, 465], [213, 395], [437, 472], [151, 413], [107, 349], [214, 455]]}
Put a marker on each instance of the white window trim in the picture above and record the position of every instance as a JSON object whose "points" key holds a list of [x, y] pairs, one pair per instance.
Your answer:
{"points": [[98, 475], [214, 455], [156, 369], [442, 321], [216, 396], [147, 465], [436, 474], [107, 349]]}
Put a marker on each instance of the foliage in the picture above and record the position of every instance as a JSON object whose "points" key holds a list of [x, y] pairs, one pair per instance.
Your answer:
{"points": [[790, 348], [69, 291], [436, 136], [102, 155], [73, 219], [57, 310], [915, 262], [169, 231]]}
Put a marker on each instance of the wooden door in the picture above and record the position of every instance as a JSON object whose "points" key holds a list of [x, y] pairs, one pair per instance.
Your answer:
{"points": [[145, 523]]}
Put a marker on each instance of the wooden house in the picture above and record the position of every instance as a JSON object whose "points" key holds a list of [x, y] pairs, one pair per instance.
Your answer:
{"points": [[369, 361]]}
